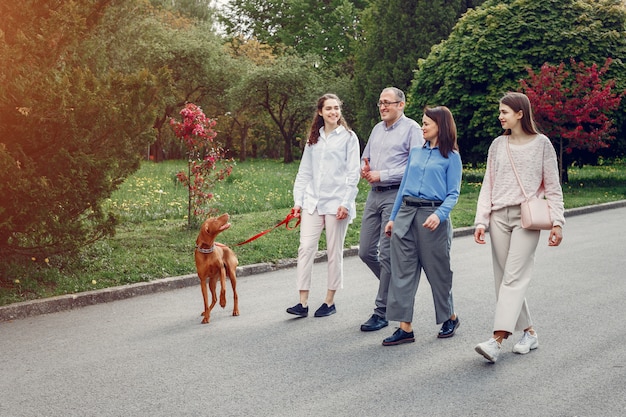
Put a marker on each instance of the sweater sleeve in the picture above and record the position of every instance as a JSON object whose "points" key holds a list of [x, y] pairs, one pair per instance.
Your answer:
{"points": [[552, 184], [483, 206]]}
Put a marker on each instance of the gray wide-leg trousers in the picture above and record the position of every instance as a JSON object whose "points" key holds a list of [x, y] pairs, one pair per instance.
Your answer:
{"points": [[413, 248]]}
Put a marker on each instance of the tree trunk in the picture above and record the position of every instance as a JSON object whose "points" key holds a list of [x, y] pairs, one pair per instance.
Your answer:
{"points": [[243, 153], [288, 155], [562, 163], [565, 162]]}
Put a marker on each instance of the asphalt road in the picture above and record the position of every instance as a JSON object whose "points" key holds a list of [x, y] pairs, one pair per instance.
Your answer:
{"points": [[150, 356]]}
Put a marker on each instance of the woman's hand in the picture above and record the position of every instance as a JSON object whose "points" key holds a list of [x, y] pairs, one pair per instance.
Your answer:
{"points": [[556, 236], [389, 228], [432, 222], [296, 211], [342, 213], [479, 235]]}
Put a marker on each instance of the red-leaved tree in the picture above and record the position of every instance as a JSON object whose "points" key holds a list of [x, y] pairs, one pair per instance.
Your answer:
{"points": [[206, 163], [572, 107]]}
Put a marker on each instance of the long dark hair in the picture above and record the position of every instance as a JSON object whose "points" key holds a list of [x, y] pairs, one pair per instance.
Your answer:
{"points": [[517, 102], [446, 139], [318, 120]]}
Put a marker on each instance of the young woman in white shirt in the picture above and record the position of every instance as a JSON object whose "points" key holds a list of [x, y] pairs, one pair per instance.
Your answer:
{"points": [[513, 248], [324, 196]]}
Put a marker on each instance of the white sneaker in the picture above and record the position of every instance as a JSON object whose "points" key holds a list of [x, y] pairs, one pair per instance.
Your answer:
{"points": [[489, 349], [527, 343]]}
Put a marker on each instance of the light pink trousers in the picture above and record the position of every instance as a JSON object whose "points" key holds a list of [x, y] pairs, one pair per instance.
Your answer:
{"points": [[311, 227], [513, 252]]}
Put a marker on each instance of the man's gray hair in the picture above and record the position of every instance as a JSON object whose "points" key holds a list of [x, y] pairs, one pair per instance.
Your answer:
{"points": [[399, 93]]}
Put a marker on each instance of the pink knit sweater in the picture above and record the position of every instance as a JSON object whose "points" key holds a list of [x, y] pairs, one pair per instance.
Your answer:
{"points": [[537, 167]]}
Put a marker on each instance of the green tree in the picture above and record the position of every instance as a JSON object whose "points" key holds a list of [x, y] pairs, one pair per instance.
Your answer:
{"points": [[322, 33], [286, 90], [396, 33], [324, 28], [201, 10], [69, 133], [491, 48], [140, 35], [243, 118]]}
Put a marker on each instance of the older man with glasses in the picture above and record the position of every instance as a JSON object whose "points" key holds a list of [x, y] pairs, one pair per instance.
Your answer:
{"points": [[384, 160]]}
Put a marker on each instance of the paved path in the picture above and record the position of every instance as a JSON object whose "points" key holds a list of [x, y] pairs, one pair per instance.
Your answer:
{"points": [[150, 356]]}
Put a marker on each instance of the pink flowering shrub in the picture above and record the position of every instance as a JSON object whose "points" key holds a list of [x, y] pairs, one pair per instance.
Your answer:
{"points": [[207, 163]]}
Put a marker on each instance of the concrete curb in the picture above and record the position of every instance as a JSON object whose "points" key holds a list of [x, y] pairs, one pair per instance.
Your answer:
{"points": [[71, 301]]}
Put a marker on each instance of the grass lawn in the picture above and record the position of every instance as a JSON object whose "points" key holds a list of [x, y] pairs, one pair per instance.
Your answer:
{"points": [[153, 240]]}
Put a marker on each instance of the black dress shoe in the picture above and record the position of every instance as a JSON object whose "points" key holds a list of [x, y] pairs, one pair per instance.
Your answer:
{"points": [[374, 323], [400, 336], [448, 328]]}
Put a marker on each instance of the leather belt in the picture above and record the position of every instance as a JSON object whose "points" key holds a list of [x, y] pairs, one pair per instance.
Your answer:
{"points": [[422, 203], [388, 188]]}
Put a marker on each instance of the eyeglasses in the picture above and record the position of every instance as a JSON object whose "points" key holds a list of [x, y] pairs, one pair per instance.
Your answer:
{"points": [[387, 103]]}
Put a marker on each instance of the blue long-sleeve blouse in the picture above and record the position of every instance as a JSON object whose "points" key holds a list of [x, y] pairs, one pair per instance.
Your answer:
{"points": [[430, 176]]}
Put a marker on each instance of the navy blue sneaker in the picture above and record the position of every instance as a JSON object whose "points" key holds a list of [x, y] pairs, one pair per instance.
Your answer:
{"points": [[298, 310], [324, 310], [399, 337], [448, 328]]}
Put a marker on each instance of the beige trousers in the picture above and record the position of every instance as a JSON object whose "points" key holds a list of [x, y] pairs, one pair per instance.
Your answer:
{"points": [[513, 252], [311, 227]]}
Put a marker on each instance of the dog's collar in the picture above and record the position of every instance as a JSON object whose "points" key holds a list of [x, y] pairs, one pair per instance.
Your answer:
{"points": [[205, 250]]}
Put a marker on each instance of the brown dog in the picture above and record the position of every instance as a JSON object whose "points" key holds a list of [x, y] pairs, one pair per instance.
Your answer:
{"points": [[213, 261]]}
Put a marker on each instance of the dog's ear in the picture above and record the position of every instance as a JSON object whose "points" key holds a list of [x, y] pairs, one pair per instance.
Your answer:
{"points": [[204, 228]]}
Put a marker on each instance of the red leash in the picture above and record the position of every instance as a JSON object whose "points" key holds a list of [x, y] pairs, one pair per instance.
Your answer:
{"points": [[286, 221]]}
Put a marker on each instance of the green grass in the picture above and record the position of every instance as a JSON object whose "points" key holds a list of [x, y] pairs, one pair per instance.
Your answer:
{"points": [[153, 240]]}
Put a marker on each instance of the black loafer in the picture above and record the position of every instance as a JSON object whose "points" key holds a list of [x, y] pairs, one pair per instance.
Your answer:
{"points": [[448, 328], [374, 323], [298, 310], [399, 337], [324, 310]]}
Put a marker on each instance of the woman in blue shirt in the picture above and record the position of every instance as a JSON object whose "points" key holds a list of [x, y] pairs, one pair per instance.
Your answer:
{"points": [[420, 228]]}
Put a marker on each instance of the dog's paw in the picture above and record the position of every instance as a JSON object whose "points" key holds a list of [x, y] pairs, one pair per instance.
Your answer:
{"points": [[206, 319], [235, 312]]}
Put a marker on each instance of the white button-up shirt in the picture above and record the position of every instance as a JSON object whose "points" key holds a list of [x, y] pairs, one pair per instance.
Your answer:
{"points": [[328, 175]]}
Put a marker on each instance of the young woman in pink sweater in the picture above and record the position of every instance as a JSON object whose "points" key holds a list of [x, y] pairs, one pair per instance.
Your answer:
{"points": [[513, 248]]}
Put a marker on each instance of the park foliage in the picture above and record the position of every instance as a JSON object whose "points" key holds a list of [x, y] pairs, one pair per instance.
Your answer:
{"points": [[492, 47], [570, 105], [88, 87]]}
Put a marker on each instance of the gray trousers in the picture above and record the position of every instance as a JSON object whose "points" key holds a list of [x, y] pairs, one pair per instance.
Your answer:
{"points": [[413, 248], [374, 244]]}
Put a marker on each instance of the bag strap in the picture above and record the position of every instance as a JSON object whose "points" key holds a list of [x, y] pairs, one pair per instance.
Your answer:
{"points": [[508, 150]]}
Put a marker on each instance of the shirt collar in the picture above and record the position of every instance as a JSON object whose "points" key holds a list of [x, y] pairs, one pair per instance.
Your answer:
{"points": [[393, 126], [337, 130]]}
